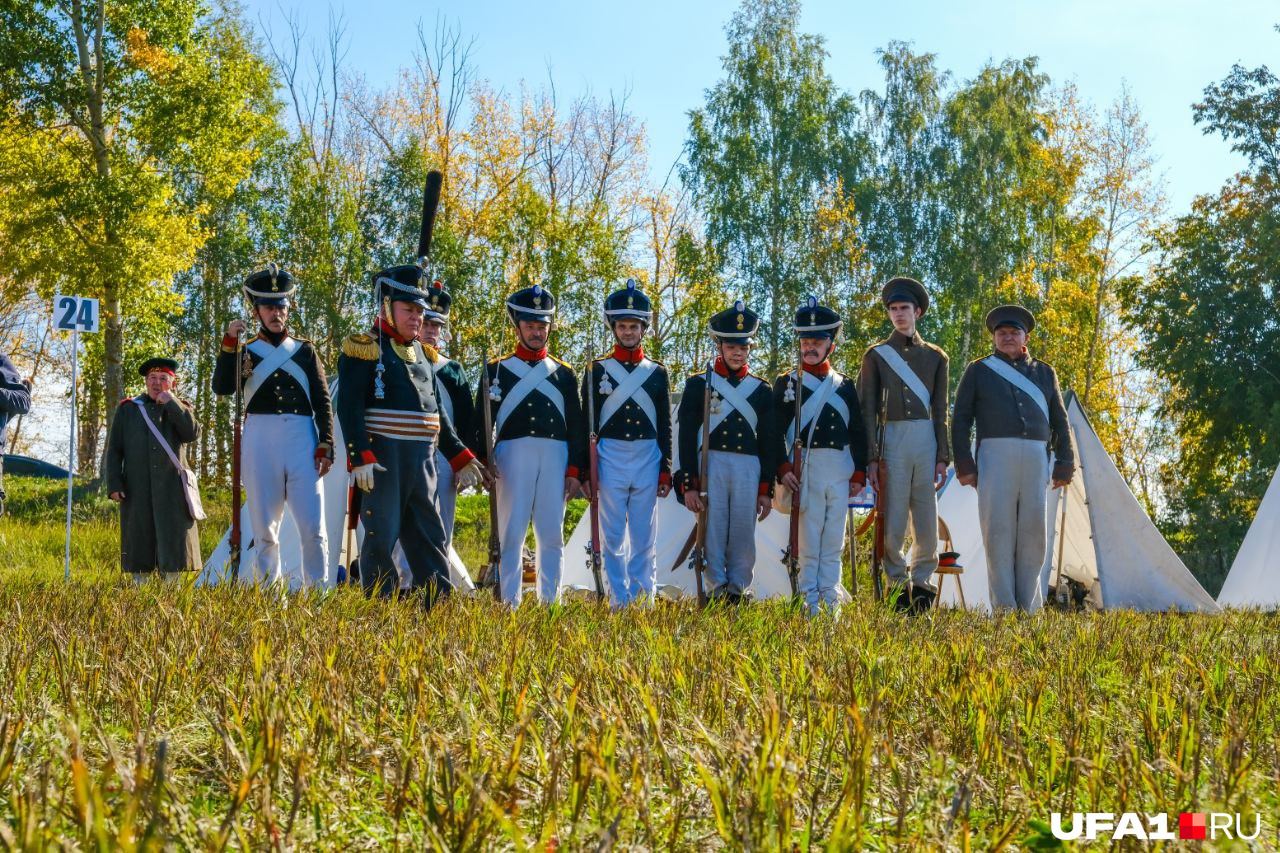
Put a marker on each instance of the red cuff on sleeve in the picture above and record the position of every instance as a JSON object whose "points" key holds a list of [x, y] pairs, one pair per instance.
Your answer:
{"points": [[572, 471], [766, 489], [228, 343], [664, 478], [859, 477], [323, 451], [367, 458], [461, 461], [784, 469]]}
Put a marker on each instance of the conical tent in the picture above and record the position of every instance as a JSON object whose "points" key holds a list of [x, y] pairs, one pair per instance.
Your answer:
{"points": [[1099, 536], [218, 566], [1253, 580]]}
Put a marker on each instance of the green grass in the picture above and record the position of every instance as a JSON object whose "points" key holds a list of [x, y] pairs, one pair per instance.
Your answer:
{"points": [[165, 715]]}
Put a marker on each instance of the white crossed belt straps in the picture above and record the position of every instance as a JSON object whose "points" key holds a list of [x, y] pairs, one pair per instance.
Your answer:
{"points": [[822, 392], [737, 398], [899, 365], [1006, 372], [628, 386], [273, 359], [530, 378]]}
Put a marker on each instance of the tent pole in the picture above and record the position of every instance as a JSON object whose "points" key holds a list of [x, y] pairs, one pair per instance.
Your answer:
{"points": [[1062, 537]]}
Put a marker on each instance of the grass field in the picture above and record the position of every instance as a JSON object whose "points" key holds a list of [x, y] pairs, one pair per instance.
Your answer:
{"points": [[157, 716]]}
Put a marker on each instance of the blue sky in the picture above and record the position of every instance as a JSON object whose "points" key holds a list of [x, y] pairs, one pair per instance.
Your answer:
{"points": [[667, 52]]}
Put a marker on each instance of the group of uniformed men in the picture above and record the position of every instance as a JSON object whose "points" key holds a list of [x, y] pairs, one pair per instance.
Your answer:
{"points": [[414, 436]]}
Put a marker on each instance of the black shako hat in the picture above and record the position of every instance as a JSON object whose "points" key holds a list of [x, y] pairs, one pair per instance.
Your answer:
{"points": [[816, 321], [736, 325], [401, 283], [534, 303], [270, 286], [903, 289], [630, 303]]}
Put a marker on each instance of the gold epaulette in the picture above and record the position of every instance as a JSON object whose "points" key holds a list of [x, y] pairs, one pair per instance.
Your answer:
{"points": [[560, 361], [433, 354], [362, 346]]}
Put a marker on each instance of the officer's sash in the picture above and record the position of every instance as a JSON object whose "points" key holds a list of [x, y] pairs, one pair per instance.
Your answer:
{"points": [[629, 387], [822, 392], [273, 359], [531, 377], [1006, 372], [899, 365], [736, 397], [443, 397]]}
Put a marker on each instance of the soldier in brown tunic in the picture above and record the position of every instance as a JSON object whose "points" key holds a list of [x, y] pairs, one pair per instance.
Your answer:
{"points": [[907, 377], [157, 533]]}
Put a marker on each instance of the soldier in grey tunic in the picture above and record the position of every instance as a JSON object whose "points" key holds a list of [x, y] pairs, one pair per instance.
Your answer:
{"points": [[1017, 406]]}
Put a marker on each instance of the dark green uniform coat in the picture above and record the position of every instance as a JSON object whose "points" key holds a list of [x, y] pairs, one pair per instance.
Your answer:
{"points": [[156, 531]]}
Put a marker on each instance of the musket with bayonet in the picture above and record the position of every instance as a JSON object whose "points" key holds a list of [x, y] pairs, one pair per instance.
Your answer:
{"points": [[791, 557], [698, 556], [491, 573], [882, 489], [593, 477]]}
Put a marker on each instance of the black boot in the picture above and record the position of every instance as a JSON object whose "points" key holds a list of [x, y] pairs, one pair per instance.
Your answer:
{"points": [[921, 600]]}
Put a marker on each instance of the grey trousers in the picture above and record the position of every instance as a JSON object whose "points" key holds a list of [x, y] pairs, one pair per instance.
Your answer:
{"points": [[733, 484], [824, 494], [402, 506], [1013, 480], [910, 454]]}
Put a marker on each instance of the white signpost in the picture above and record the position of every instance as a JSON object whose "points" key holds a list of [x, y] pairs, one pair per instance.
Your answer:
{"points": [[74, 314]]}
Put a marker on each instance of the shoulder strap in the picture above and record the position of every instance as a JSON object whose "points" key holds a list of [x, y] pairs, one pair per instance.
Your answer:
{"points": [[173, 457], [628, 386], [1006, 372], [899, 365], [273, 359]]}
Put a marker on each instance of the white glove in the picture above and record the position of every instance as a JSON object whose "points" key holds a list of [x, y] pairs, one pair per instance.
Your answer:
{"points": [[364, 475], [470, 475]]}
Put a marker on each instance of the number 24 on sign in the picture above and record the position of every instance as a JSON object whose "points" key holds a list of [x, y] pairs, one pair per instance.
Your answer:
{"points": [[75, 314]]}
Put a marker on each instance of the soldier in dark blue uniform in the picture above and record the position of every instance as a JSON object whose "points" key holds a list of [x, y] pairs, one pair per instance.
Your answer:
{"points": [[744, 453], [15, 399], [540, 449], [288, 428], [455, 396], [834, 454], [392, 422], [632, 396]]}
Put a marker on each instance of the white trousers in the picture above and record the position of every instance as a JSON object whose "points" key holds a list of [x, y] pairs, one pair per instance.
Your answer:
{"points": [[910, 454], [733, 484], [531, 489], [824, 500], [447, 503], [277, 458], [628, 472], [1013, 481]]}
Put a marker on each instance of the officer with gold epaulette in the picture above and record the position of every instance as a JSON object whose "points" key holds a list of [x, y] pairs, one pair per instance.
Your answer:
{"points": [[392, 420], [540, 448], [743, 456], [288, 428], [834, 453], [632, 397]]}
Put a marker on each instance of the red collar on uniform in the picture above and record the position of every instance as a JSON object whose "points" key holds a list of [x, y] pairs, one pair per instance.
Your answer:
{"points": [[387, 330], [628, 356], [821, 369], [723, 369], [529, 355]]}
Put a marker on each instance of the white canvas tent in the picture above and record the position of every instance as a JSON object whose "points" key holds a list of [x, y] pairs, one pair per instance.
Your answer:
{"points": [[1253, 580], [217, 567], [674, 525], [1099, 536]]}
